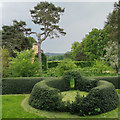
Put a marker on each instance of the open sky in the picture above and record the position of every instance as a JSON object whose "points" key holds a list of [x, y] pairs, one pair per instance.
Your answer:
{"points": [[78, 20]]}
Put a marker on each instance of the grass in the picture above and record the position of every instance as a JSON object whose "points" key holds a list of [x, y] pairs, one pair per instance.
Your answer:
{"points": [[11, 107], [16, 106], [70, 95]]}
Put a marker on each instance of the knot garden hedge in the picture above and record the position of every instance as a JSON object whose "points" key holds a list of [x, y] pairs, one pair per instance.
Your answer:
{"points": [[102, 97]]}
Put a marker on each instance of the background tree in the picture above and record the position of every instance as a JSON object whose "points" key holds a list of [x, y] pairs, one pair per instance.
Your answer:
{"points": [[94, 43], [14, 37], [47, 15], [5, 62]]}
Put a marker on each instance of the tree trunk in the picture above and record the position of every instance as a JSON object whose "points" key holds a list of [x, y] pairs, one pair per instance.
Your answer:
{"points": [[40, 55]]}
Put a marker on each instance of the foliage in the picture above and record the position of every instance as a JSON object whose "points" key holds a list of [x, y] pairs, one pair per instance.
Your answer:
{"points": [[13, 37], [64, 66], [47, 16], [24, 64], [55, 58], [112, 23], [100, 99], [21, 85], [94, 43], [44, 61], [115, 80], [45, 97], [111, 55], [5, 62], [52, 64], [98, 68], [75, 106]]}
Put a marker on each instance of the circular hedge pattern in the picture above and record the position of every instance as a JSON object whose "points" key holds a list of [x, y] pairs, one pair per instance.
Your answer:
{"points": [[101, 98]]}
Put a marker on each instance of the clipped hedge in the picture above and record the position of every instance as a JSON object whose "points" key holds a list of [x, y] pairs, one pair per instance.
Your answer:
{"points": [[101, 98], [81, 64], [45, 97], [115, 80], [19, 85]]}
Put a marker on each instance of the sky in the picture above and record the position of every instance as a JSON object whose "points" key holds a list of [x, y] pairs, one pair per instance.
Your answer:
{"points": [[78, 20]]}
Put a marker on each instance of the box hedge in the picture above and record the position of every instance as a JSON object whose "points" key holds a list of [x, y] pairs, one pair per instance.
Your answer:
{"points": [[115, 80], [82, 64], [101, 98], [19, 85], [45, 97]]}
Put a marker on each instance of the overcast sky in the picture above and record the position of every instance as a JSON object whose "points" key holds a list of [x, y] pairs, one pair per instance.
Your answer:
{"points": [[78, 20]]}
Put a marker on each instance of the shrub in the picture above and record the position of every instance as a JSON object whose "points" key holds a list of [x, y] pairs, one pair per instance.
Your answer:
{"points": [[52, 64], [100, 99], [44, 61], [24, 65], [18, 85], [64, 66], [115, 80], [102, 96], [5, 62], [45, 97]]}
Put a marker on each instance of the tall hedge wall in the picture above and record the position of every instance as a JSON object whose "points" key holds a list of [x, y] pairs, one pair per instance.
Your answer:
{"points": [[82, 64], [19, 85]]}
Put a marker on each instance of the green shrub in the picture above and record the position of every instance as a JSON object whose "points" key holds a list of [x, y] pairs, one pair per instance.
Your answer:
{"points": [[45, 97], [65, 65], [86, 84], [81, 64], [18, 85], [115, 80], [24, 65], [52, 64], [44, 61], [100, 99]]}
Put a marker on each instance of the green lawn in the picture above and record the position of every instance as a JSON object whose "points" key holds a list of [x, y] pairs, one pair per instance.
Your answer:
{"points": [[11, 107], [16, 106]]}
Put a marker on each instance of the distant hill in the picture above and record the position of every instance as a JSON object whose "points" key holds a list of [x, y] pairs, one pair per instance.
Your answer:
{"points": [[54, 54]]}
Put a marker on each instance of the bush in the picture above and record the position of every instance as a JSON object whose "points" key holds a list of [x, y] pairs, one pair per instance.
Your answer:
{"points": [[52, 64], [18, 85], [115, 80], [45, 97], [102, 96], [100, 99], [24, 64], [44, 61], [64, 66], [81, 64]]}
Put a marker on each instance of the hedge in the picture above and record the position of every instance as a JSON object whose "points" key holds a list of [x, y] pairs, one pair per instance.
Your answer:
{"points": [[101, 98], [45, 97], [115, 80], [82, 64], [19, 85]]}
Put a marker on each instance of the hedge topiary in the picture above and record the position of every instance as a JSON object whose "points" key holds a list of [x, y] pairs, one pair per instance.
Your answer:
{"points": [[45, 97], [21, 85], [101, 98]]}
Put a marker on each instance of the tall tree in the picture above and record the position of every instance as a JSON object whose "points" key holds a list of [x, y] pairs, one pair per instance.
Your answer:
{"points": [[47, 15], [14, 37]]}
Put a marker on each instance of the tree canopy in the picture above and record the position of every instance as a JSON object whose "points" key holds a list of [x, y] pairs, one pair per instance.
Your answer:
{"points": [[14, 37]]}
